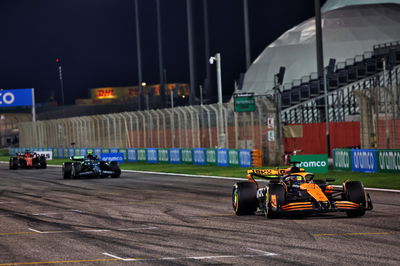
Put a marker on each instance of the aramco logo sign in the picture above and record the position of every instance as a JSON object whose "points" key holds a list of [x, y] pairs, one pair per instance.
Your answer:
{"points": [[342, 159], [364, 161], [316, 163], [20, 97], [389, 160]]}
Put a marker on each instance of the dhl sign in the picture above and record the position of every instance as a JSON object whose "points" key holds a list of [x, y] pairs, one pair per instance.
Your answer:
{"points": [[105, 93]]}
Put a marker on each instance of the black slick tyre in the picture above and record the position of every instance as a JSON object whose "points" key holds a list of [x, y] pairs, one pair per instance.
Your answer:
{"points": [[114, 166], [77, 168], [67, 170], [13, 163], [42, 162], [275, 197], [244, 198], [354, 192]]}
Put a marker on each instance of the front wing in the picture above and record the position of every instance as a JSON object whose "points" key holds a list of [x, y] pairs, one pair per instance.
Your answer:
{"points": [[331, 206], [93, 173]]}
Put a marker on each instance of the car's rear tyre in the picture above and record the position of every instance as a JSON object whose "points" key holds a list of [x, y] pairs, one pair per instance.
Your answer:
{"points": [[244, 198], [354, 192], [42, 162], [114, 166], [276, 197], [13, 163], [67, 170]]}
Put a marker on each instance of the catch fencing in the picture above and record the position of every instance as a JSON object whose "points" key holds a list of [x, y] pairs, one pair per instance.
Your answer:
{"points": [[201, 126]]}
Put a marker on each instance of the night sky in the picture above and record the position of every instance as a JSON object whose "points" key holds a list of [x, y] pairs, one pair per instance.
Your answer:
{"points": [[95, 40]]}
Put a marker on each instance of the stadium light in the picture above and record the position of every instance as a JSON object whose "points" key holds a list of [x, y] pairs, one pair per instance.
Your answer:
{"points": [[217, 59]]}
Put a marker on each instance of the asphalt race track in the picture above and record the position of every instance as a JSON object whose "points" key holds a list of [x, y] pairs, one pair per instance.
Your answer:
{"points": [[151, 219]]}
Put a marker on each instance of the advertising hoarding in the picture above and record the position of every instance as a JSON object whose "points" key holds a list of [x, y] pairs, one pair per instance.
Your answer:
{"points": [[222, 157], [388, 161], [20, 97], [175, 156], [152, 156], [199, 156], [315, 163], [364, 160], [342, 159]]}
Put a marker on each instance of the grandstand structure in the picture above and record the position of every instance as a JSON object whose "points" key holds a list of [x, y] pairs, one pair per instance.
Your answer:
{"points": [[303, 100]]}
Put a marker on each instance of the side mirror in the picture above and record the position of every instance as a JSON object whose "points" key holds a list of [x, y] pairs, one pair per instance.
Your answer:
{"points": [[330, 180]]}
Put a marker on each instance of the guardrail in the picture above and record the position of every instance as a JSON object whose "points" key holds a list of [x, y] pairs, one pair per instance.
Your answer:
{"points": [[197, 156]]}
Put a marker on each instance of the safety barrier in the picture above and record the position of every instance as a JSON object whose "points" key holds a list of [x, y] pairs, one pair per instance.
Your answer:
{"points": [[197, 156], [367, 160]]}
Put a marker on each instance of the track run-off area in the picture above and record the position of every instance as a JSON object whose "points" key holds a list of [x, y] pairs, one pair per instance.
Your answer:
{"points": [[164, 219]]}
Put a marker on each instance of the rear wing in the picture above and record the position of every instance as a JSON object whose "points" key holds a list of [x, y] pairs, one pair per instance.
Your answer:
{"points": [[267, 172], [77, 158]]}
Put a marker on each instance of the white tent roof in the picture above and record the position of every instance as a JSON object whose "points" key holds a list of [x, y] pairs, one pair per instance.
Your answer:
{"points": [[347, 32], [335, 4]]}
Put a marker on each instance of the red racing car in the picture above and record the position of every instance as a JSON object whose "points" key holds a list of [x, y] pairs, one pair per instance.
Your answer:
{"points": [[28, 160]]}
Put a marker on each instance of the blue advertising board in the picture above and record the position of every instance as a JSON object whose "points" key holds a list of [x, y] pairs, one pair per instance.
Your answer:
{"points": [[97, 151], [117, 156], [60, 153], [222, 157], [132, 155], [174, 155], [71, 152], [245, 158], [364, 160], [152, 155], [20, 97], [199, 156], [83, 151]]}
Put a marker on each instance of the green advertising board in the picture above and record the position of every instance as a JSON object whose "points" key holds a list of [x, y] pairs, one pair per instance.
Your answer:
{"points": [[55, 152], [105, 150], [141, 155], [187, 155], [342, 159], [211, 156], [124, 152], [233, 157], [163, 155], [316, 163], [388, 161], [244, 103]]}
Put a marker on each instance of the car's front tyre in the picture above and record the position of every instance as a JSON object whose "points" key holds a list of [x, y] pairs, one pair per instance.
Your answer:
{"points": [[67, 170], [354, 192]]}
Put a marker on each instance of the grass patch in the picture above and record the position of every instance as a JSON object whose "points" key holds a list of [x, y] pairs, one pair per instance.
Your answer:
{"points": [[375, 180]]}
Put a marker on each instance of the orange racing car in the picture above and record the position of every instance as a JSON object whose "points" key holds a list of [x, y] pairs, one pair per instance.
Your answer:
{"points": [[293, 190]]}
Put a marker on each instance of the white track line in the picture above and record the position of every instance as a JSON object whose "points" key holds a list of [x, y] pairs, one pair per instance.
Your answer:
{"points": [[262, 254], [94, 230], [36, 231]]}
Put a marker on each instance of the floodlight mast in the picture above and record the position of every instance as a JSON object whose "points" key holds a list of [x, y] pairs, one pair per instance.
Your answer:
{"points": [[217, 59], [322, 72]]}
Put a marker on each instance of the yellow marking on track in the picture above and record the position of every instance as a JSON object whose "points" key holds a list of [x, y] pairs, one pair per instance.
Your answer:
{"points": [[18, 233], [352, 234], [56, 262]]}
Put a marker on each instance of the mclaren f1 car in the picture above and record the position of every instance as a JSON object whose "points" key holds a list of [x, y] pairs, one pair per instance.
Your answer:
{"points": [[90, 166], [28, 159], [293, 190]]}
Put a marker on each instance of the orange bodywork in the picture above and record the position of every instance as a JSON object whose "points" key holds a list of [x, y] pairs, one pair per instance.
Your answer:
{"points": [[315, 191], [28, 161], [347, 205], [298, 206]]}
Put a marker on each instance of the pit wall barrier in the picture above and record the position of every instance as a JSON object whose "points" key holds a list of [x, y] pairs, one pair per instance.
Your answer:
{"points": [[367, 160], [196, 156]]}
